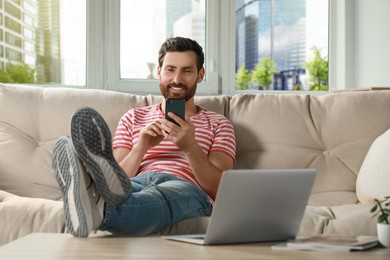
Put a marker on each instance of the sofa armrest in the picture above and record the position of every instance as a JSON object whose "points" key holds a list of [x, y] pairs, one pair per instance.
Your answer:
{"points": [[21, 216]]}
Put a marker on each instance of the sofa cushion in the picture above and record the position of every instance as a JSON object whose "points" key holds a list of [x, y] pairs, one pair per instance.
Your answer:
{"points": [[373, 181], [347, 220]]}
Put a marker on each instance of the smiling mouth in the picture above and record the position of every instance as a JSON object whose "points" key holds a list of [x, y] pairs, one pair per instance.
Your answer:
{"points": [[177, 89]]}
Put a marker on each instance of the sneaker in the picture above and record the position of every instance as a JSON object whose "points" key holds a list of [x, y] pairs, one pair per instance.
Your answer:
{"points": [[91, 138], [83, 207]]}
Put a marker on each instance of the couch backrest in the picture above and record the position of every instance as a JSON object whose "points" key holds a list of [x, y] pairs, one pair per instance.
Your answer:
{"points": [[331, 133]]}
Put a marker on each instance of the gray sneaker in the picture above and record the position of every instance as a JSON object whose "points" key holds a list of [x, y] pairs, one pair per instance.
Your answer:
{"points": [[83, 207], [91, 138]]}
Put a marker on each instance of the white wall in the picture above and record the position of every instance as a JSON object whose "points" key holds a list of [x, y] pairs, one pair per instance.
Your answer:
{"points": [[372, 43], [359, 44]]}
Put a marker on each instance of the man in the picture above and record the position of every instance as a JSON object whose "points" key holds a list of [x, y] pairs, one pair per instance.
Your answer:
{"points": [[155, 173]]}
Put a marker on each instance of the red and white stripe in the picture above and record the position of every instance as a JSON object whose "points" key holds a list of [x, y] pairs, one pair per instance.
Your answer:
{"points": [[213, 132]]}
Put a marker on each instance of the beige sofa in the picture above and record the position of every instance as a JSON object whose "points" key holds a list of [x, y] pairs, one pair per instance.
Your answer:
{"points": [[331, 133]]}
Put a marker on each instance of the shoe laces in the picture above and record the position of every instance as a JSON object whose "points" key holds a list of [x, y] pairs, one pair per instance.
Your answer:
{"points": [[91, 187]]}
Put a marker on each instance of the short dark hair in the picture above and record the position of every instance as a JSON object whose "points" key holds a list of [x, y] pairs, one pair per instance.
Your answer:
{"points": [[181, 44]]}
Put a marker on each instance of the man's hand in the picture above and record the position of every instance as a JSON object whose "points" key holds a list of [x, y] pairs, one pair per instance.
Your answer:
{"points": [[150, 136], [183, 135], [207, 168], [130, 160]]}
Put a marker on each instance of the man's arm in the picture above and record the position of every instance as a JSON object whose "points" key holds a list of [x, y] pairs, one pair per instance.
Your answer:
{"points": [[130, 159], [207, 169]]}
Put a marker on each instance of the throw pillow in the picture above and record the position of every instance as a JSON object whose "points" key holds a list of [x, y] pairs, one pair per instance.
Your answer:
{"points": [[373, 181]]}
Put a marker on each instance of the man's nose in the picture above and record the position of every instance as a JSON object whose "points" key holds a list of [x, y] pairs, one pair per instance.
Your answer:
{"points": [[178, 78]]}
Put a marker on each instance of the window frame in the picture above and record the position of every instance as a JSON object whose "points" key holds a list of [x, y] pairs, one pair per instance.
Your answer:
{"points": [[103, 64], [102, 50], [105, 57], [231, 74], [340, 49]]}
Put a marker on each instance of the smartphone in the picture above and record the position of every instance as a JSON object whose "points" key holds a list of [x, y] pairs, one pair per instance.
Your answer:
{"points": [[176, 106]]}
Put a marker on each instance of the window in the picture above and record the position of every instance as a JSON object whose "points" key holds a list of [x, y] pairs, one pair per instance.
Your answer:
{"points": [[12, 10], [279, 43], [28, 20], [12, 25], [28, 33], [16, 1], [47, 37], [221, 43], [13, 55], [13, 40], [139, 45], [30, 7], [73, 41], [29, 60], [144, 25], [113, 44], [29, 47]]}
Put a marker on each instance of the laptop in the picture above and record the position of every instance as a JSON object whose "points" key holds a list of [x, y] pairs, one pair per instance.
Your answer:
{"points": [[256, 206]]}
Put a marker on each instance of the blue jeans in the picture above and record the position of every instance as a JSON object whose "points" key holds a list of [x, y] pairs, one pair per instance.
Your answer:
{"points": [[158, 200]]}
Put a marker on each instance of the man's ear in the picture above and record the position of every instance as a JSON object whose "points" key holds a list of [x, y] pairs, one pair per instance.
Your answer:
{"points": [[158, 72], [201, 75]]}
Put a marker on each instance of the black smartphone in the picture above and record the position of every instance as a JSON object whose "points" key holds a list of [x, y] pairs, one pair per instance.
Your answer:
{"points": [[176, 106]]}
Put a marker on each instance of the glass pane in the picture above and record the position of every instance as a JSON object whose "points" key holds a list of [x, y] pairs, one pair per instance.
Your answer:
{"points": [[144, 26], [282, 44], [44, 42]]}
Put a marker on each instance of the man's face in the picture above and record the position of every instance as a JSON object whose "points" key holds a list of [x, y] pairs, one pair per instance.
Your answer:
{"points": [[179, 75]]}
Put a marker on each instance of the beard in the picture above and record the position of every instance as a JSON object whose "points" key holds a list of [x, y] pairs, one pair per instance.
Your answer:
{"points": [[187, 94]]}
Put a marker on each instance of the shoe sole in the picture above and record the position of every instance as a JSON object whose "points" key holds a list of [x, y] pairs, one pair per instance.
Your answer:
{"points": [[66, 170], [91, 138]]}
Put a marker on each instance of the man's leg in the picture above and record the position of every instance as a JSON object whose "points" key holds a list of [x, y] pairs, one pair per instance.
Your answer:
{"points": [[91, 138], [158, 200], [83, 207], [164, 201]]}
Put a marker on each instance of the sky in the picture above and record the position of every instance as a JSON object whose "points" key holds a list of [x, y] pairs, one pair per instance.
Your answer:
{"points": [[139, 33], [73, 41], [317, 17]]}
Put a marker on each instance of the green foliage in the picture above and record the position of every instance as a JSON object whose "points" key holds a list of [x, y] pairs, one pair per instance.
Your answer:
{"points": [[318, 71], [263, 72], [297, 87], [243, 78], [17, 73], [382, 210], [5, 77]]}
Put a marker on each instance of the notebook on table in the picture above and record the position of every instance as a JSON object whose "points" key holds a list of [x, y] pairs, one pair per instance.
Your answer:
{"points": [[256, 205]]}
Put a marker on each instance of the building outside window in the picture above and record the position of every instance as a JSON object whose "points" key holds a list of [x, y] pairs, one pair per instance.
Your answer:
{"points": [[278, 38], [44, 40]]}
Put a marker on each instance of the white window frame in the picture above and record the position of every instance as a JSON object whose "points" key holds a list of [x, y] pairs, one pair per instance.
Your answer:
{"points": [[103, 51], [340, 46], [103, 64], [103, 32]]}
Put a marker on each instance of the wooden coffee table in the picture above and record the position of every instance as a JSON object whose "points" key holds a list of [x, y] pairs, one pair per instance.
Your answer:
{"points": [[64, 246]]}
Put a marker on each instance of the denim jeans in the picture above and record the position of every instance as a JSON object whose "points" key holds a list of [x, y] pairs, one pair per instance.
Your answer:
{"points": [[158, 200]]}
